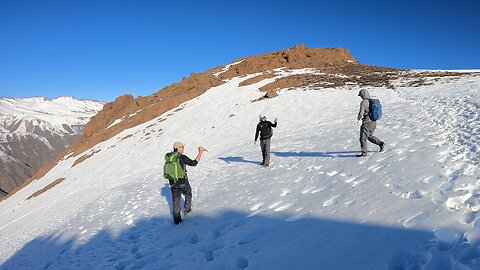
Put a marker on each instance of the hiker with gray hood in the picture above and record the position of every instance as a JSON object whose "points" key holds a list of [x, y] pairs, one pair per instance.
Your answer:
{"points": [[368, 124]]}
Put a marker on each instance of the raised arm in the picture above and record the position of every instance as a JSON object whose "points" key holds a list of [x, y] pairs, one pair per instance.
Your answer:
{"points": [[274, 123]]}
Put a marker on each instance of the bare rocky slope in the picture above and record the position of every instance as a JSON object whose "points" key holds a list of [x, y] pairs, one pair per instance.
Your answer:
{"points": [[34, 131], [335, 67]]}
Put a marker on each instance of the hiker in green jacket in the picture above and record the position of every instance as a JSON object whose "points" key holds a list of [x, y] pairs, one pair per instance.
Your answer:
{"points": [[182, 186]]}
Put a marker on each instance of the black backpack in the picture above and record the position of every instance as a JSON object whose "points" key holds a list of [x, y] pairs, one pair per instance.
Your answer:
{"points": [[266, 130]]}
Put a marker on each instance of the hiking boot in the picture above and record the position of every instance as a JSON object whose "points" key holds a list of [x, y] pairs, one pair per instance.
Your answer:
{"points": [[382, 147], [363, 154], [261, 164], [177, 220], [185, 213]]}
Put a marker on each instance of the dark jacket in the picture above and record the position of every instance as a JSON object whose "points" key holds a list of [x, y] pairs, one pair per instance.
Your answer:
{"points": [[264, 129], [184, 161]]}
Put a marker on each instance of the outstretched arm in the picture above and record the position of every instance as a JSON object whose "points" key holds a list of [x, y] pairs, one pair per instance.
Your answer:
{"points": [[199, 155], [275, 123], [187, 161]]}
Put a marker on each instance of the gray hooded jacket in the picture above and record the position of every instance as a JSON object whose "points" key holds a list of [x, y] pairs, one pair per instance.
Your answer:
{"points": [[364, 106]]}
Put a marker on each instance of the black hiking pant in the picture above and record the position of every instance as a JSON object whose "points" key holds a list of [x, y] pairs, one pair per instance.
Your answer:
{"points": [[181, 187], [366, 133]]}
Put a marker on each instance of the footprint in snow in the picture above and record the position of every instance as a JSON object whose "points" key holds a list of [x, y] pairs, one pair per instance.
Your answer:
{"points": [[347, 204], [331, 201], [296, 217], [252, 237], [473, 235], [332, 173], [375, 168], [415, 220], [439, 198], [468, 217], [350, 180], [210, 250], [317, 190], [447, 186], [275, 204], [256, 207], [447, 237], [242, 263], [307, 190], [412, 195], [285, 192], [283, 207], [404, 260]]}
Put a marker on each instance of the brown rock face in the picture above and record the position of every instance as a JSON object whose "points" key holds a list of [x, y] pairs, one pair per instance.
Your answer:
{"points": [[297, 57]]}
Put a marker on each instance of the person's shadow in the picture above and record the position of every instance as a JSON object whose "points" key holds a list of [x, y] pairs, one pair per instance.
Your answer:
{"points": [[237, 160], [167, 193], [336, 154]]}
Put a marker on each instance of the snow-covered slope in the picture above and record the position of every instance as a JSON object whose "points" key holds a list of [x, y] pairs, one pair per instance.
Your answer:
{"points": [[33, 131], [316, 207]]}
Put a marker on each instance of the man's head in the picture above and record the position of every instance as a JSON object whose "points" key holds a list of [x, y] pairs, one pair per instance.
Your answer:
{"points": [[262, 118], [179, 147]]}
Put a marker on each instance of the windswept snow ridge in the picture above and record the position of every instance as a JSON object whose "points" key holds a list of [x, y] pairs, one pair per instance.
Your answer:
{"points": [[317, 206]]}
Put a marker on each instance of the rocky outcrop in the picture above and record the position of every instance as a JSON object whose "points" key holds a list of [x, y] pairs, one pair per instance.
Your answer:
{"points": [[298, 57]]}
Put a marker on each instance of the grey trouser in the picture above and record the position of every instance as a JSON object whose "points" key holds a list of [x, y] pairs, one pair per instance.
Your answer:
{"points": [[366, 133], [265, 146], [179, 188]]}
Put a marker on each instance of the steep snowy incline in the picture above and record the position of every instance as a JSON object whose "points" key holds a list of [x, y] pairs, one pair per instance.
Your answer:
{"points": [[316, 207]]}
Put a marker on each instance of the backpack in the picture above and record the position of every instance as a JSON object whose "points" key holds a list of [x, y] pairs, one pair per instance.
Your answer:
{"points": [[172, 170], [375, 109]]}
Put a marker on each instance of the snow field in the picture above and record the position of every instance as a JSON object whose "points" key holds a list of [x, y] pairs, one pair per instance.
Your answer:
{"points": [[316, 206]]}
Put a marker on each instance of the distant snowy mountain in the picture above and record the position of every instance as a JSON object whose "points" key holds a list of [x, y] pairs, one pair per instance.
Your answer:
{"points": [[105, 205], [33, 131]]}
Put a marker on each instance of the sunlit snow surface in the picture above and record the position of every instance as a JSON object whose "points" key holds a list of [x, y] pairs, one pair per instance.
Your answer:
{"points": [[316, 207]]}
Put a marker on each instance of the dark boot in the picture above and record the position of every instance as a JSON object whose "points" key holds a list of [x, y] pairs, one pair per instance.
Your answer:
{"points": [[177, 220], [382, 147], [363, 154]]}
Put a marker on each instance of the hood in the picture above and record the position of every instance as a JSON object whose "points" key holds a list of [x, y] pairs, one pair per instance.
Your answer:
{"points": [[364, 94]]}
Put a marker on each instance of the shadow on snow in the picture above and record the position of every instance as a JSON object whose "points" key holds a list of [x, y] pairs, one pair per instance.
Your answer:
{"points": [[236, 240], [340, 154], [237, 159]]}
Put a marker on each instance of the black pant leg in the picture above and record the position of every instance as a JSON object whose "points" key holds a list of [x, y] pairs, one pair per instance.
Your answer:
{"points": [[186, 190], [176, 196]]}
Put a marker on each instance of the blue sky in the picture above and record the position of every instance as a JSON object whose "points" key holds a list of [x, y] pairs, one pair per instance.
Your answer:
{"points": [[103, 49]]}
